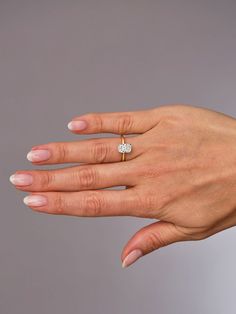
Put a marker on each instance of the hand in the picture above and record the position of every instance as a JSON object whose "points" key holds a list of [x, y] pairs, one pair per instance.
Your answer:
{"points": [[181, 172]]}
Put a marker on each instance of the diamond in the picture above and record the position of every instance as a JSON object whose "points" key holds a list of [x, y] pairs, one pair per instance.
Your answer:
{"points": [[124, 148]]}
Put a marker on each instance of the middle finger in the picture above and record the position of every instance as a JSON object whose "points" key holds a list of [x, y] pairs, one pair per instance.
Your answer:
{"points": [[83, 177]]}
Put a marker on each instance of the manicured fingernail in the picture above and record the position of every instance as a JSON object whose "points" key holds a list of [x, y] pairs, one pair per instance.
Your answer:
{"points": [[132, 257], [38, 155], [35, 200], [21, 179], [77, 125]]}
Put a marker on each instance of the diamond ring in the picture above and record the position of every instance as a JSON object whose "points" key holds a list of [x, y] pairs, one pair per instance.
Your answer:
{"points": [[124, 148]]}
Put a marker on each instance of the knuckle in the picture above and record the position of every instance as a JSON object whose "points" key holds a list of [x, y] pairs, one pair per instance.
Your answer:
{"points": [[97, 120], [151, 201], [99, 152], [124, 124], [154, 206], [46, 179], [61, 151], [146, 205], [87, 177], [93, 205], [59, 204], [138, 204], [154, 203], [155, 240]]}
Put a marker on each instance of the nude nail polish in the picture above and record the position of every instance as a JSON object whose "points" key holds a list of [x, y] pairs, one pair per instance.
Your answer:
{"points": [[78, 125], [21, 179], [35, 200], [132, 257], [38, 155]]}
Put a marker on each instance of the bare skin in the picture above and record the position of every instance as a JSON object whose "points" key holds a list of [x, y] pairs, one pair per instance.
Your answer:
{"points": [[181, 172]]}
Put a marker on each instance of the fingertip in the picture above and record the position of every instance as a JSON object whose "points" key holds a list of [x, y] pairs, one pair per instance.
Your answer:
{"points": [[77, 125], [38, 155], [132, 257]]}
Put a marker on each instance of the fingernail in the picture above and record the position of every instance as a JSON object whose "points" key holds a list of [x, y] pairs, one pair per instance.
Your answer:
{"points": [[132, 257], [38, 155], [35, 200], [77, 125], [21, 179]]}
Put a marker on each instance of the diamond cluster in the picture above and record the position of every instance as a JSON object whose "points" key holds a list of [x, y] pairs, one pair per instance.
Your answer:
{"points": [[124, 148]]}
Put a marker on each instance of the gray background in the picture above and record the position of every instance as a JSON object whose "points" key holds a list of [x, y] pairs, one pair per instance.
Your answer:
{"points": [[59, 59]]}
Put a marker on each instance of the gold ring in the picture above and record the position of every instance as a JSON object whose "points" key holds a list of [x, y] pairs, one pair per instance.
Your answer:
{"points": [[124, 148]]}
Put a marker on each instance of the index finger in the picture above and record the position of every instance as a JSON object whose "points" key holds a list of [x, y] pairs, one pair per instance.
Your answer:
{"points": [[97, 203]]}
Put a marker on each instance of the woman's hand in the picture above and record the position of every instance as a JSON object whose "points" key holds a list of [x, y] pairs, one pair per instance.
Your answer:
{"points": [[181, 171]]}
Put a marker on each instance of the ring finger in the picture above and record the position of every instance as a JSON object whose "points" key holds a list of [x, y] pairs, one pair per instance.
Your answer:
{"points": [[93, 150]]}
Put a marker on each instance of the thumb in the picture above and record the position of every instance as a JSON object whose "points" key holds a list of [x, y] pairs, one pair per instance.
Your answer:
{"points": [[148, 239]]}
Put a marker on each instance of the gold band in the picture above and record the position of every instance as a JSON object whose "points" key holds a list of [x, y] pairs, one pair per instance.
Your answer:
{"points": [[122, 142], [124, 148]]}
